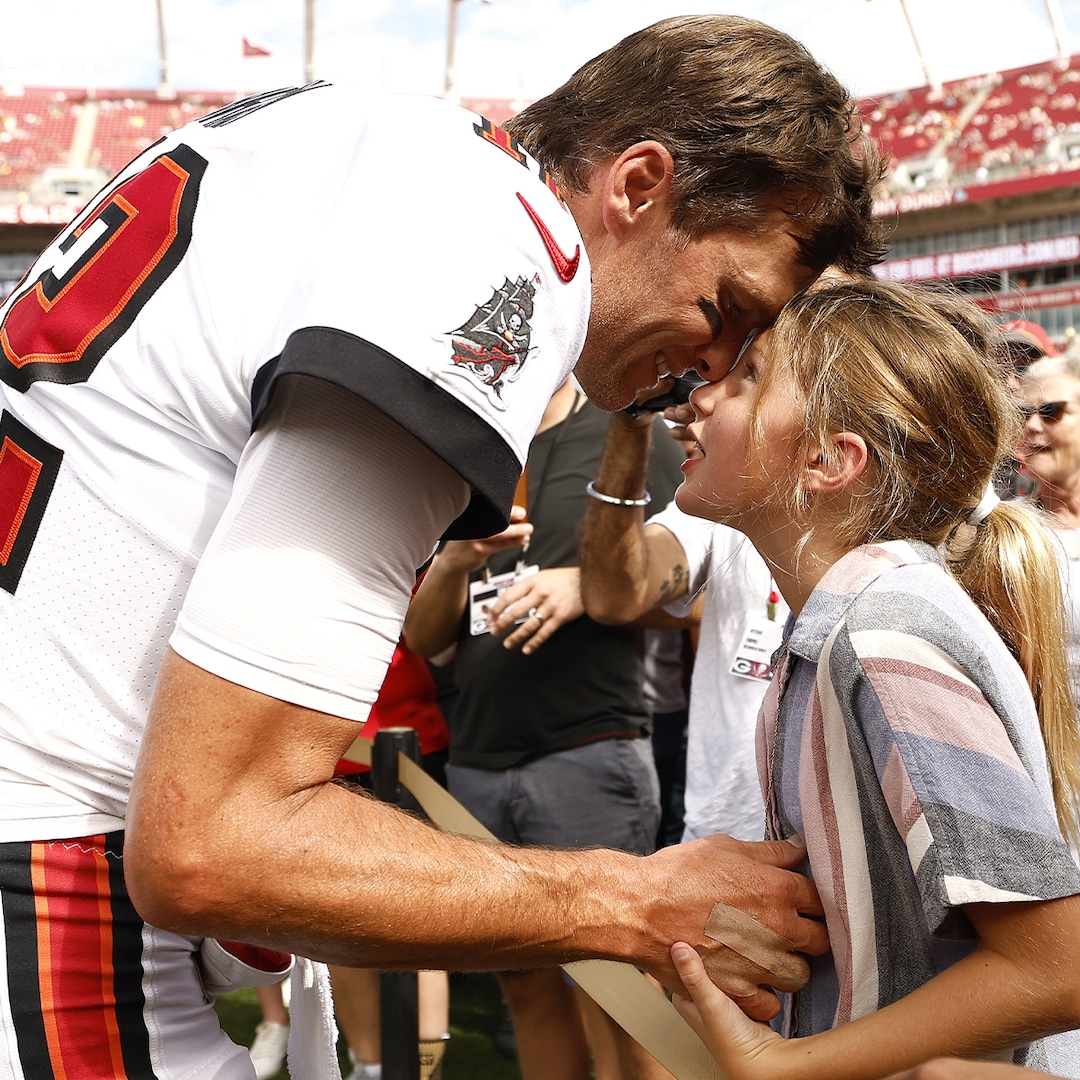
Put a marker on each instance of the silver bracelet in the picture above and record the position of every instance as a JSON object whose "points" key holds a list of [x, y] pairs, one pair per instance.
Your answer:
{"points": [[590, 490]]}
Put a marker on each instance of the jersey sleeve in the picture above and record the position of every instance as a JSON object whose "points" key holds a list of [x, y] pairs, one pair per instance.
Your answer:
{"points": [[450, 290], [303, 587]]}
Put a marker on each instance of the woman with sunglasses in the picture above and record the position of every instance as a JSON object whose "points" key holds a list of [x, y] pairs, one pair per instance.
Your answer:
{"points": [[1049, 453]]}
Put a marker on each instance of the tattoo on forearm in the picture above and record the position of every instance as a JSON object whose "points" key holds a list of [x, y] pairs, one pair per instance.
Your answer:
{"points": [[669, 587]]}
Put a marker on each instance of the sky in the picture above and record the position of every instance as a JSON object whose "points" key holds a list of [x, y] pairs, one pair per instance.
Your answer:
{"points": [[517, 49]]}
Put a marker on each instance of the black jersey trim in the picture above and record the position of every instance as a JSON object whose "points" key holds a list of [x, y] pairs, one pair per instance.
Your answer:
{"points": [[462, 438], [27, 478], [20, 919]]}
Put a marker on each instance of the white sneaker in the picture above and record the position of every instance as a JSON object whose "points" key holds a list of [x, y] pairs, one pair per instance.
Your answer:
{"points": [[364, 1070], [268, 1049]]}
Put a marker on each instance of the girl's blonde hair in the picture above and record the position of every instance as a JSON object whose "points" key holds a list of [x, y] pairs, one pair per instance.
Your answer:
{"points": [[915, 372]]}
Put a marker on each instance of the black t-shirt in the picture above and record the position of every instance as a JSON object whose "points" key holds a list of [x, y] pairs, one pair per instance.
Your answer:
{"points": [[585, 682]]}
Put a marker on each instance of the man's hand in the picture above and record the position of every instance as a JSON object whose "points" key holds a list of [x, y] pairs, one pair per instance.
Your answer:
{"points": [[433, 621], [754, 879], [678, 416], [633, 415], [546, 600]]}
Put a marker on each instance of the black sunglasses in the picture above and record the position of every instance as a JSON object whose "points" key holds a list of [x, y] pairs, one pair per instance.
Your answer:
{"points": [[1051, 411]]}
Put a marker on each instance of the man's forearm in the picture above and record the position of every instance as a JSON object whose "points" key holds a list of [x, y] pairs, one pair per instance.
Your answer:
{"points": [[614, 555], [235, 830], [420, 898]]}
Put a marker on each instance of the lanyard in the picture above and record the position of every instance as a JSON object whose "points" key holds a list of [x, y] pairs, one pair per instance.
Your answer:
{"points": [[521, 492]]}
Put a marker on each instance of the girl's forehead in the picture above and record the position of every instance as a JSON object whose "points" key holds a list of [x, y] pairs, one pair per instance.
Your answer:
{"points": [[758, 345]]}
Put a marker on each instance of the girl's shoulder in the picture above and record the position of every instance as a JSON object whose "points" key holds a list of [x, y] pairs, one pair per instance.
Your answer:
{"points": [[912, 610], [895, 585]]}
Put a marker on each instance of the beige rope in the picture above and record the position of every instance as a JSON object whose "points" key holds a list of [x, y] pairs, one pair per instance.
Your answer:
{"points": [[629, 998]]}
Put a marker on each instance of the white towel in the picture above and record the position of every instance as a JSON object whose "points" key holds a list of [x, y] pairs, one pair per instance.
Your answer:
{"points": [[312, 1028]]}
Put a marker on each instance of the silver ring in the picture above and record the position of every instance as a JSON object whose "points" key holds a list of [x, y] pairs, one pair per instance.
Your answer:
{"points": [[535, 614]]}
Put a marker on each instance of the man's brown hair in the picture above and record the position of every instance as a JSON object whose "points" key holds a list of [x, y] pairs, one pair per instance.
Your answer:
{"points": [[751, 119]]}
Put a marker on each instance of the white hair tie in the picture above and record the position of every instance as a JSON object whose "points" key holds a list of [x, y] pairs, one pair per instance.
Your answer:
{"points": [[981, 512]]}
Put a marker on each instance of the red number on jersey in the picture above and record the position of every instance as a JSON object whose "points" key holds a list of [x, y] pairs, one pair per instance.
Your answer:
{"points": [[28, 469], [107, 268]]}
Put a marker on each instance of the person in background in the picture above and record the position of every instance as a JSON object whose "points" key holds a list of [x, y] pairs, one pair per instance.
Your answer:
{"points": [[1021, 343], [668, 656], [549, 738], [633, 569], [408, 698], [271, 1040], [1025, 342], [1050, 454]]}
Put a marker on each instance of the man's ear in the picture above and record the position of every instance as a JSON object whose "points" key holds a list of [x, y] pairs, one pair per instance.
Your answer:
{"points": [[636, 186], [837, 465]]}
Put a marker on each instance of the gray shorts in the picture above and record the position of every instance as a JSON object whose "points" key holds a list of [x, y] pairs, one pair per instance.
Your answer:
{"points": [[603, 794]]}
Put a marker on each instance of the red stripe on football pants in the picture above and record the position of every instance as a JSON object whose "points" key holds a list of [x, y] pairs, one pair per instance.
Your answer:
{"points": [[74, 923]]}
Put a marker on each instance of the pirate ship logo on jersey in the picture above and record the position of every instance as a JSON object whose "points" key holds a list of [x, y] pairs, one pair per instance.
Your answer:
{"points": [[492, 346]]}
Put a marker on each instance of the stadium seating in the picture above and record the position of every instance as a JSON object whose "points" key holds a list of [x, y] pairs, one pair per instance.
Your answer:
{"points": [[978, 130]]}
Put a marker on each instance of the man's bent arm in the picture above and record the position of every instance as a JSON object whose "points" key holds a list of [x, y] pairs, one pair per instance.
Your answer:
{"points": [[627, 568], [236, 830]]}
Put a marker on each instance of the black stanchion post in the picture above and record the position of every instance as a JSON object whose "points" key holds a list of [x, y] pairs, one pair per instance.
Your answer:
{"points": [[399, 1023]]}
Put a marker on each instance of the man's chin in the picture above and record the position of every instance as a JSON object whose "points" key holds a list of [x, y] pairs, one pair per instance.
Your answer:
{"points": [[604, 394]]}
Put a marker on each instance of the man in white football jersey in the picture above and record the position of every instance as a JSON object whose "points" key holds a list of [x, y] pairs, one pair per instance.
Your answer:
{"points": [[280, 355]]}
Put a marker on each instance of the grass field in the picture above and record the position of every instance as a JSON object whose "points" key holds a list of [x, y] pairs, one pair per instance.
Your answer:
{"points": [[475, 1015]]}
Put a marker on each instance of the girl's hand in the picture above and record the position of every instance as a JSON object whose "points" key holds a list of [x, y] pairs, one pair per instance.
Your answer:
{"points": [[744, 1049]]}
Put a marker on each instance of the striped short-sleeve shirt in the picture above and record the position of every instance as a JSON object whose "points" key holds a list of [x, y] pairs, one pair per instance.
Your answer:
{"points": [[900, 740]]}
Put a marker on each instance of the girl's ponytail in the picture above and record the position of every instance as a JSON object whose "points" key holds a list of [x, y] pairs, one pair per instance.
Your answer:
{"points": [[1009, 567]]}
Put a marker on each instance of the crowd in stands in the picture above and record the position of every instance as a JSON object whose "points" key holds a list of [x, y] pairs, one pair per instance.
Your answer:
{"points": [[1019, 122], [997, 125], [100, 131]]}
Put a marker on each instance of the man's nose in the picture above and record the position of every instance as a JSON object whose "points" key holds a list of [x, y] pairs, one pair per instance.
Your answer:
{"points": [[713, 361]]}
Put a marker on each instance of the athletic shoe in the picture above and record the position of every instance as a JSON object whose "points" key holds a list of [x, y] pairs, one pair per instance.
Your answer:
{"points": [[268, 1049], [364, 1070]]}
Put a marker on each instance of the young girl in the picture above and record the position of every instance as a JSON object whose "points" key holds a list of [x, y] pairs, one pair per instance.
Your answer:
{"points": [[919, 733]]}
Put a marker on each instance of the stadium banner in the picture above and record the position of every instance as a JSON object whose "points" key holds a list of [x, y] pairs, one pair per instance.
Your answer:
{"points": [[910, 202], [30, 213], [1050, 251], [1037, 300]]}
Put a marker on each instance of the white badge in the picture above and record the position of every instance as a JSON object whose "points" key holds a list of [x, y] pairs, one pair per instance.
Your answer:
{"points": [[753, 657], [482, 594]]}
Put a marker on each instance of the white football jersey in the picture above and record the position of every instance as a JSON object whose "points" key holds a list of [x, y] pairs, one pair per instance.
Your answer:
{"points": [[399, 248]]}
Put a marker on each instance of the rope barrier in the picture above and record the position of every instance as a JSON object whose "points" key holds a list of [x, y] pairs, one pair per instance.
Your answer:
{"points": [[622, 991]]}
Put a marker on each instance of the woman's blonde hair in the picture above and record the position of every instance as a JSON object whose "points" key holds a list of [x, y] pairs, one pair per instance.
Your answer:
{"points": [[915, 372]]}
